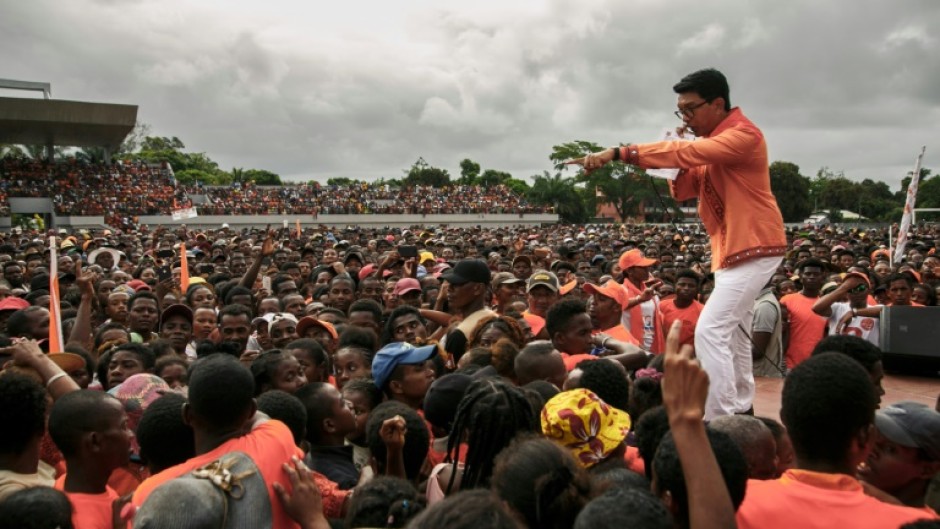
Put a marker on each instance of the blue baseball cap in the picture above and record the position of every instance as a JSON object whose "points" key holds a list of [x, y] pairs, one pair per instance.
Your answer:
{"points": [[395, 354]]}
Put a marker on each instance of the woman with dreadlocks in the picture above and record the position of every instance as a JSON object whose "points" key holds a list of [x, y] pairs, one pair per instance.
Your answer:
{"points": [[490, 415]]}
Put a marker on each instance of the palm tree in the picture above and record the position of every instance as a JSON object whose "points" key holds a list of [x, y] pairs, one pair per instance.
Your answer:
{"points": [[560, 192]]}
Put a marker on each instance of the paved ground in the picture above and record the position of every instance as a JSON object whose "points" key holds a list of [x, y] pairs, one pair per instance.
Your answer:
{"points": [[897, 387]]}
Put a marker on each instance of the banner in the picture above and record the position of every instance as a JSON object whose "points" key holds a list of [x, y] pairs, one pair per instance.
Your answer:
{"points": [[184, 269], [908, 208], [184, 213]]}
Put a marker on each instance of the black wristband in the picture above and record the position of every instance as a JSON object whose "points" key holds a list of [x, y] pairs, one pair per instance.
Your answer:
{"points": [[616, 153]]}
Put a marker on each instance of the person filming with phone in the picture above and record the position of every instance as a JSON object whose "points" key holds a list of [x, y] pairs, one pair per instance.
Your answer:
{"points": [[726, 169]]}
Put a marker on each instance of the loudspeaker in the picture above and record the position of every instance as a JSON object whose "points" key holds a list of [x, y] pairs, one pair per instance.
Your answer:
{"points": [[910, 338]]}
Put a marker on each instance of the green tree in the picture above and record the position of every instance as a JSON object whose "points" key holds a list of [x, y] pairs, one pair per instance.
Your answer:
{"points": [[423, 174], [90, 155], [469, 172], [193, 176], [626, 187], [519, 187], [263, 178], [11, 151], [341, 181], [560, 192], [791, 190], [492, 177]]}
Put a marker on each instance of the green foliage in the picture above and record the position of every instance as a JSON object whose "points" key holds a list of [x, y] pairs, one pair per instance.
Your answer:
{"points": [[11, 151], [492, 177], [341, 181], [193, 176], [519, 187], [262, 178], [626, 187], [469, 172], [791, 190], [559, 191], [421, 173]]}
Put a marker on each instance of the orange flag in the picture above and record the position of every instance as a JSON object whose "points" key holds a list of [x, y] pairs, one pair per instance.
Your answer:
{"points": [[184, 269], [56, 343], [299, 231]]}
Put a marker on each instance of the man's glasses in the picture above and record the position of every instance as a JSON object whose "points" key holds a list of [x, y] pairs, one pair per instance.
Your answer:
{"points": [[688, 112]]}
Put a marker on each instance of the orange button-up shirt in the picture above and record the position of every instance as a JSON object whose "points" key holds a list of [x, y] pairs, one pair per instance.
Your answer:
{"points": [[728, 172]]}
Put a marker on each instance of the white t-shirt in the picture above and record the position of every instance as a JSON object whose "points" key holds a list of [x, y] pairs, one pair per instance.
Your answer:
{"points": [[864, 327]]}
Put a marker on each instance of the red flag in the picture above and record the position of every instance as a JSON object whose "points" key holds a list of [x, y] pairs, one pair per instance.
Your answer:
{"points": [[56, 343], [184, 269]]}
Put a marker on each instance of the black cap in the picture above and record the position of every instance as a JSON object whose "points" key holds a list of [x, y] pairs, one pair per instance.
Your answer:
{"points": [[468, 271]]}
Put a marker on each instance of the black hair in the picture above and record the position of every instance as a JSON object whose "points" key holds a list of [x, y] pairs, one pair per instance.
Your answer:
{"points": [[388, 331], [417, 442], [234, 310], [491, 413], [473, 509], [33, 295], [166, 361], [530, 359], [708, 83], [161, 348], [105, 328], [264, 367], [606, 380], [614, 478], [143, 353], [165, 439], [104, 363], [561, 313], [930, 292], [75, 414], [36, 508], [645, 393], [236, 291], [221, 391], [286, 408], [343, 277], [859, 349], [312, 347], [143, 294], [814, 262], [277, 280], [619, 508], [317, 407], [650, 429], [289, 265], [827, 400], [688, 273], [193, 288], [669, 476], [18, 324], [367, 387], [22, 412], [359, 337], [898, 276], [367, 305], [383, 502], [542, 482], [773, 425]]}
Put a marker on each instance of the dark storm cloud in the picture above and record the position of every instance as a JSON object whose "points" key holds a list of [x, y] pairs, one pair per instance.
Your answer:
{"points": [[306, 92]]}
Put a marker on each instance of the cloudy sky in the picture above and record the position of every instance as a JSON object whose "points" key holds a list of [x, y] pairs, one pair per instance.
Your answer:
{"points": [[362, 89]]}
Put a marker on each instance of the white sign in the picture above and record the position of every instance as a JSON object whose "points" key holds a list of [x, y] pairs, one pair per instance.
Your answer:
{"points": [[184, 213]]}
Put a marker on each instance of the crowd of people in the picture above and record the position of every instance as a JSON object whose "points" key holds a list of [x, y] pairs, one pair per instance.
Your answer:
{"points": [[125, 190], [449, 377]]}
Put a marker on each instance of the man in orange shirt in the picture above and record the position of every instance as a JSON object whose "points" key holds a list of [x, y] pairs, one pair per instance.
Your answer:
{"points": [[221, 408], [726, 169], [828, 409], [806, 327], [685, 307], [641, 315], [90, 429], [605, 307]]}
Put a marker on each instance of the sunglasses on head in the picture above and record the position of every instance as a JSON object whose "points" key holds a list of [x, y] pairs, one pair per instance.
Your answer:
{"points": [[859, 289]]}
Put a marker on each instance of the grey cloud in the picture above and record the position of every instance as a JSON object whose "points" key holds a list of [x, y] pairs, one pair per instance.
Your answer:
{"points": [[853, 85]]}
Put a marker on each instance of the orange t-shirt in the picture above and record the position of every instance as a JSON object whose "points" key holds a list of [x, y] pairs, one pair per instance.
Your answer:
{"points": [[688, 316], [572, 361], [89, 511], [806, 327], [536, 323], [814, 500], [619, 333], [269, 446]]}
